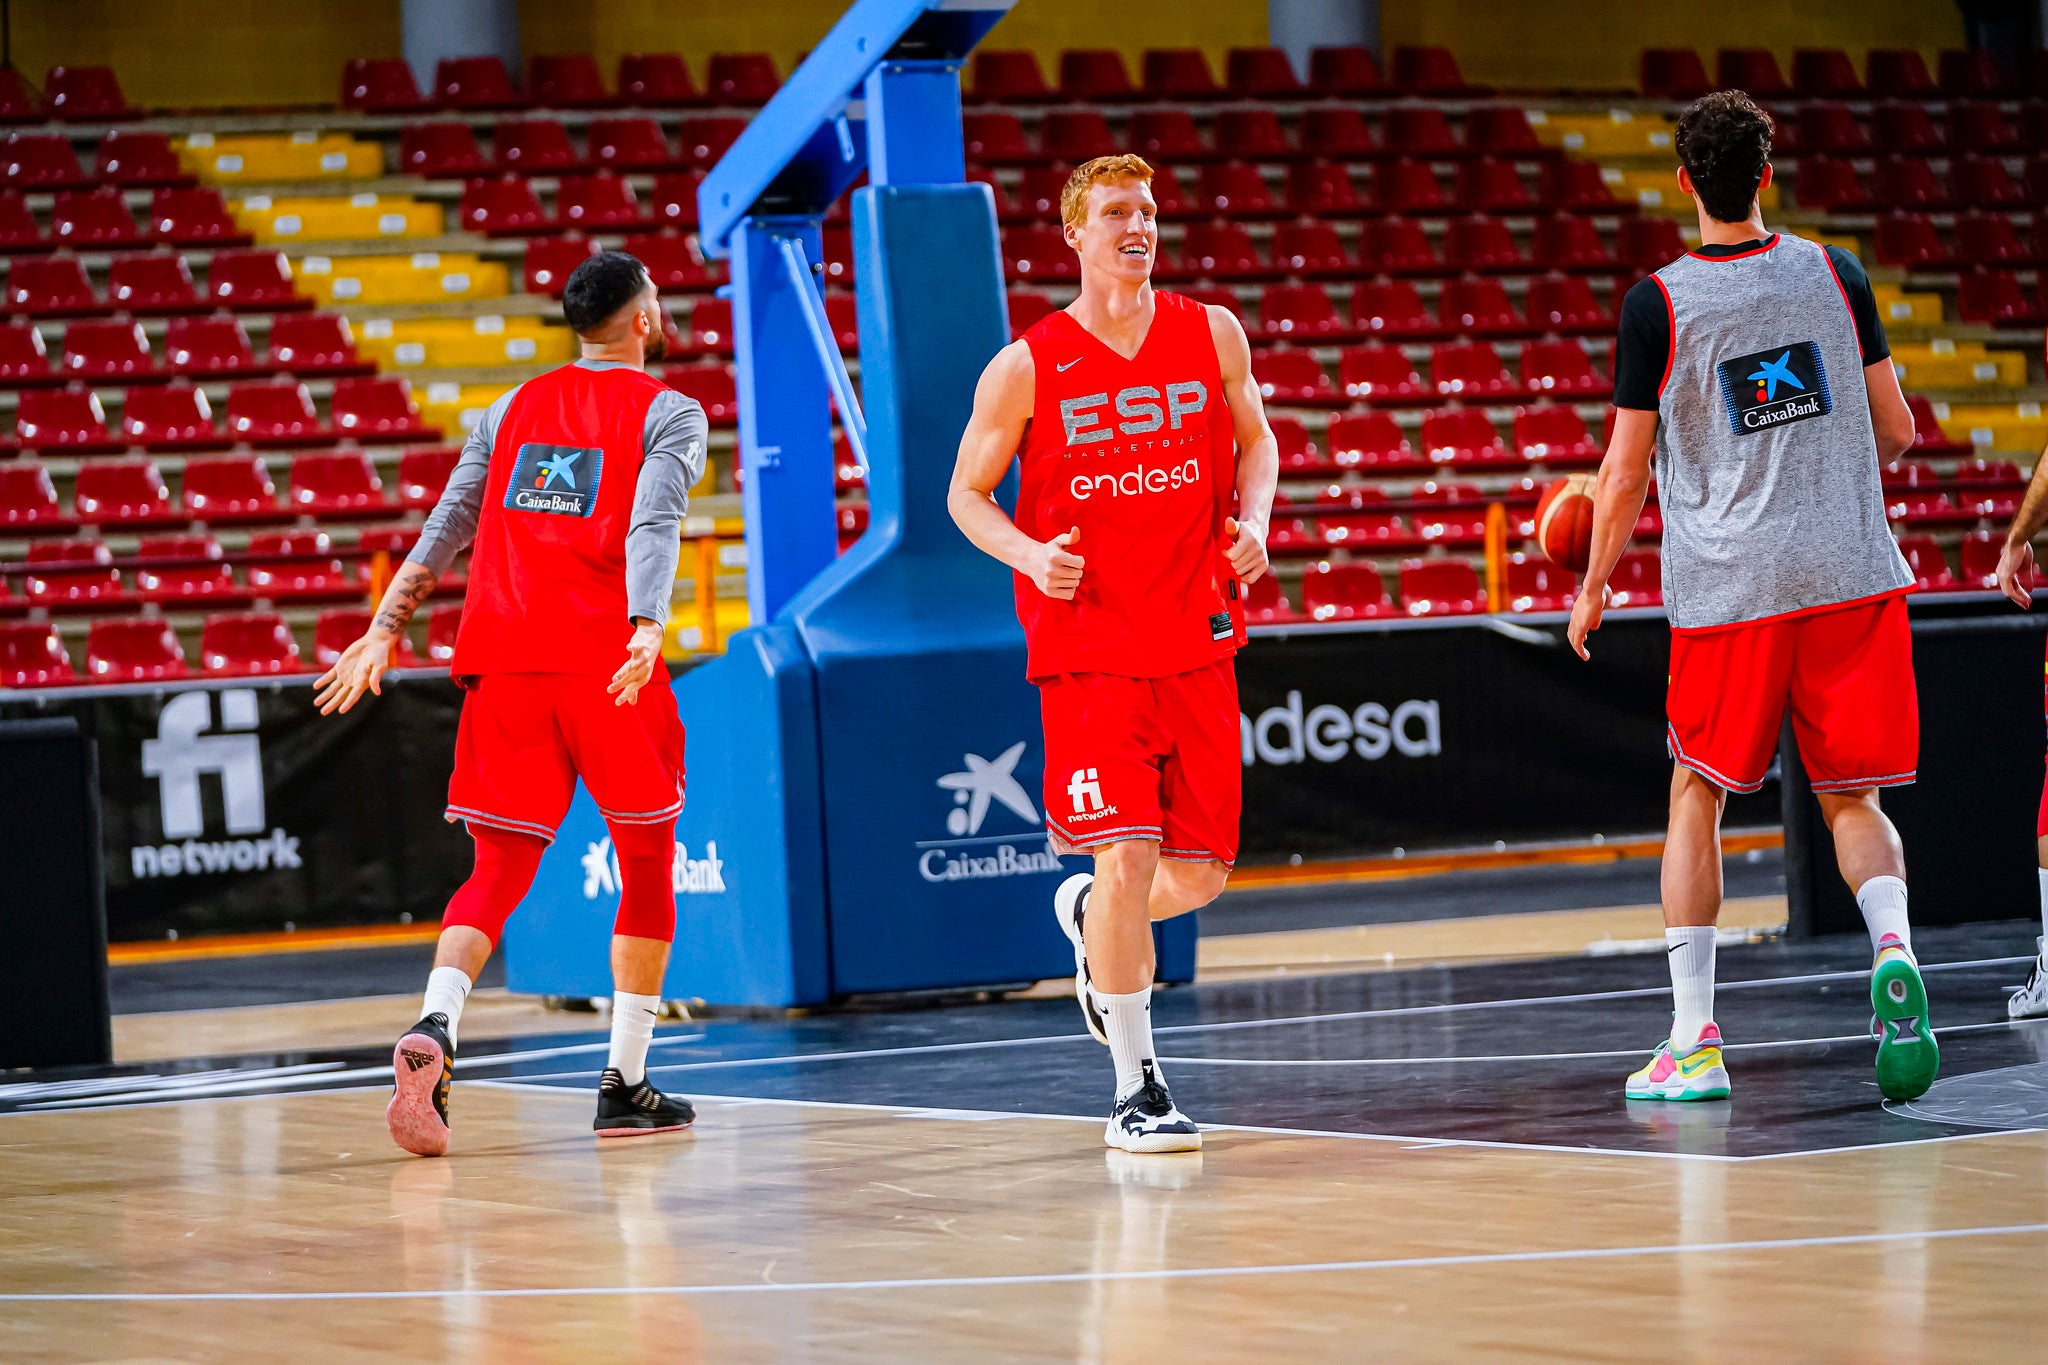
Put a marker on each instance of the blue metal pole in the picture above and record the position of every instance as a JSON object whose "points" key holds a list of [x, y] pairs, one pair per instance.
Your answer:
{"points": [[829, 358]]}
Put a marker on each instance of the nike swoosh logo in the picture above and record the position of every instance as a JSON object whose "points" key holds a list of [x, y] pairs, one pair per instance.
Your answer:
{"points": [[1062, 369]]}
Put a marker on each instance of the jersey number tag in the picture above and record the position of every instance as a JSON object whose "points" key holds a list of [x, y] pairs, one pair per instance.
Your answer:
{"points": [[1773, 387], [561, 480]]}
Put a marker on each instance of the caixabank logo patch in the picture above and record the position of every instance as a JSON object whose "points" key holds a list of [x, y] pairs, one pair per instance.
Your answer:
{"points": [[559, 480], [1770, 388]]}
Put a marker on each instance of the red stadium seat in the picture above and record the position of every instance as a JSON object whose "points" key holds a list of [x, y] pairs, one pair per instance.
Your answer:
{"points": [[442, 624], [28, 498], [445, 149], [1293, 377], [1478, 307], [1995, 298], [1026, 306], [1575, 186], [1345, 592], [229, 488], [1390, 309], [68, 420], [1561, 369], [1298, 312], [252, 281], [40, 161], [339, 483], [336, 628], [1260, 73], [293, 564], [86, 94], [32, 655], [1009, 76], [741, 78], [315, 343], [630, 144], [475, 83], [1501, 130], [1752, 69], [121, 493], [1168, 135], [19, 232], [1093, 76], [1905, 128], [1220, 251], [1265, 601], [1405, 186], [1565, 303], [1980, 554], [1973, 74], [1980, 126], [538, 146], [1345, 73], [502, 206], [1469, 369], [656, 80], [1909, 240], [378, 410], [1673, 73], [996, 140], [550, 259], [274, 413], [1830, 129], [1489, 186], [16, 104], [1233, 189], [1482, 243], [1929, 566], [1648, 244], [1825, 74], [1898, 73], [1463, 438], [1428, 71], [1298, 450], [1825, 183], [137, 159], [602, 202], [1982, 182], [1252, 135], [1928, 436], [711, 323], [1310, 249], [1380, 374], [247, 644], [1076, 135], [55, 286], [712, 384], [673, 262], [1440, 587], [1320, 190], [1536, 584], [705, 140], [1338, 133], [137, 649], [194, 217], [1396, 246], [566, 81], [152, 282], [101, 351], [673, 200], [380, 85], [1176, 74], [24, 359], [1555, 437], [169, 417], [1372, 443], [422, 474], [94, 220]]}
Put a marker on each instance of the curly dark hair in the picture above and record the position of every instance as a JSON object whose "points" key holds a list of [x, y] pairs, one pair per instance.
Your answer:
{"points": [[1724, 140], [598, 288]]}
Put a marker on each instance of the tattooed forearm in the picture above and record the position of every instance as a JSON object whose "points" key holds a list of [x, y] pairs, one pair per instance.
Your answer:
{"points": [[403, 597]]}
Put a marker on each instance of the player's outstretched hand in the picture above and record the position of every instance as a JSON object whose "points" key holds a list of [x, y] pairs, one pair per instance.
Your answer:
{"points": [[360, 669], [1247, 549], [2016, 572], [1056, 569], [643, 653], [1585, 619]]}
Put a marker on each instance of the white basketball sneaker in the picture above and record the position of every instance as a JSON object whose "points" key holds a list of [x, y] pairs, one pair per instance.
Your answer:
{"points": [[1070, 906], [2031, 1000], [1146, 1120]]}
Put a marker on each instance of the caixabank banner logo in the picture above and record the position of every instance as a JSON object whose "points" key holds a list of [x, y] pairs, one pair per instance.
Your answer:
{"points": [[1770, 388]]}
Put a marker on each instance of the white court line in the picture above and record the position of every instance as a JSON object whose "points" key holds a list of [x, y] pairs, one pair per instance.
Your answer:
{"points": [[1855, 1239]]}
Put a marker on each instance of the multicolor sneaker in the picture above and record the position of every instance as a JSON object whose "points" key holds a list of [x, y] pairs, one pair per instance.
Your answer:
{"points": [[423, 1069], [1907, 1055], [1147, 1120], [2031, 1000], [1693, 1075], [1070, 908]]}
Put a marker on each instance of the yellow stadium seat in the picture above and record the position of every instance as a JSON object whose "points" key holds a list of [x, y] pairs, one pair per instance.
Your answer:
{"points": [[280, 156], [423, 277], [1618, 132], [336, 218], [1996, 426], [1894, 304], [457, 408], [449, 343], [1946, 364]]}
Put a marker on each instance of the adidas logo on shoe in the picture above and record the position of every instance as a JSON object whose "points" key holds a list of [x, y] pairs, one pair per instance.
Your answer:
{"points": [[415, 1060]]}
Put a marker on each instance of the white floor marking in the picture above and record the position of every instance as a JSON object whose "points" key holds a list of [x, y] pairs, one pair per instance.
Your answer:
{"points": [[1857, 1239]]}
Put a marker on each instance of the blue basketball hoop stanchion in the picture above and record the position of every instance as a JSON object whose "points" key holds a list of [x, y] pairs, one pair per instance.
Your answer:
{"points": [[865, 759]]}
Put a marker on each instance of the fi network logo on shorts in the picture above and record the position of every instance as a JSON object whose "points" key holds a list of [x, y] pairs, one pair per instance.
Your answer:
{"points": [[980, 785], [1770, 388], [558, 480], [180, 755], [1085, 790]]}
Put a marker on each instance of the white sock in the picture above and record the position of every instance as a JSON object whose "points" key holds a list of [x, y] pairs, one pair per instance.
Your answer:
{"points": [[447, 991], [2043, 874], [1691, 952], [1129, 1018], [633, 1019], [1883, 903]]}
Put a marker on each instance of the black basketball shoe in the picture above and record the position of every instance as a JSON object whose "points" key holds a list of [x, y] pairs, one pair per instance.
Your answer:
{"points": [[629, 1110], [1070, 908], [423, 1069], [1147, 1121]]}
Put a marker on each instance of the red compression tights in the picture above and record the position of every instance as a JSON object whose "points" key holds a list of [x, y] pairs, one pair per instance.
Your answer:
{"points": [[505, 864], [647, 891]]}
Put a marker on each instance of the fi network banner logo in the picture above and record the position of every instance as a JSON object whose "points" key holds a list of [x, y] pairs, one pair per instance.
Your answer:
{"points": [[181, 754]]}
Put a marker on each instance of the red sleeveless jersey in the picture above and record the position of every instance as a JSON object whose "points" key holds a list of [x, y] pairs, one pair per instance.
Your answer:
{"points": [[547, 573], [1142, 456]]}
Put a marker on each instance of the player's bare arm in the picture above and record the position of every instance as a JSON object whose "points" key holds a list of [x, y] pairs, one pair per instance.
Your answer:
{"points": [[361, 666], [1891, 421], [1258, 450], [643, 656], [1002, 409], [2016, 560], [1618, 496]]}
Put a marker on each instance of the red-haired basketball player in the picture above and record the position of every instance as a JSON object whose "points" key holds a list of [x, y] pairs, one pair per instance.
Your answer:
{"points": [[1139, 428], [572, 490], [1756, 371], [2016, 580]]}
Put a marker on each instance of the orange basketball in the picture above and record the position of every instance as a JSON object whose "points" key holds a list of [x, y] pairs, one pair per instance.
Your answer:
{"points": [[1564, 522]]}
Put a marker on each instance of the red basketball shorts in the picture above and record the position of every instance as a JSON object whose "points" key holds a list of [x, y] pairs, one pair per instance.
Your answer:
{"points": [[1144, 758], [1844, 674], [526, 737]]}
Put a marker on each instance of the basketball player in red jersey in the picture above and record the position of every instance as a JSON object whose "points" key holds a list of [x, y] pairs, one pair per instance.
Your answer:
{"points": [[1148, 476], [572, 489]]}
